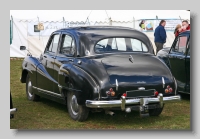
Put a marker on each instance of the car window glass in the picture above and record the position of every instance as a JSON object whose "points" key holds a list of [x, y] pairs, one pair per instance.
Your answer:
{"points": [[68, 45], [176, 46], [120, 44], [144, 47], [114, 44], [53, 44], [182, 44]]}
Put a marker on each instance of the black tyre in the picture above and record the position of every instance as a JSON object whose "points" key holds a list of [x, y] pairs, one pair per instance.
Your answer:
{"points": [[30, 95], [155, 112], [76, 112]]}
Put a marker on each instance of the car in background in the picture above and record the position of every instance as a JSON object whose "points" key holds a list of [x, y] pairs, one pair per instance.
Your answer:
{"points": [[177, 58], [12, 109]]}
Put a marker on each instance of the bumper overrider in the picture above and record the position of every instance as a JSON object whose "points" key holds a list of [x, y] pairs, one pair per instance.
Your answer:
{"points": [[140, 101]]}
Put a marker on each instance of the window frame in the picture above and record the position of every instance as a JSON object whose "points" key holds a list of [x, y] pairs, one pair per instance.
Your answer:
{"points": [[61, 45], [51, 38], [177, 39]]}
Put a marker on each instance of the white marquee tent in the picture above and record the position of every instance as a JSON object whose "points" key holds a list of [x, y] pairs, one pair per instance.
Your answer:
{"points": [[23, 24]]}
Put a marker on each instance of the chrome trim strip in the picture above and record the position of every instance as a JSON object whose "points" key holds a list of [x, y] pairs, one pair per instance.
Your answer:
{"points": [[47, 91], [13, 110], [122, 103], [141, 88], [163, 81], [116, 84], [175, 86]]}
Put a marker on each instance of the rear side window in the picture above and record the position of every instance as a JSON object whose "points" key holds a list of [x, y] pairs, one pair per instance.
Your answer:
{"points": [[181, 45], [111, 45]]}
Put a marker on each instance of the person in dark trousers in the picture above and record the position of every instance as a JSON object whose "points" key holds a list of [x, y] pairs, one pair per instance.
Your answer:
{"points": [[160, 36]]}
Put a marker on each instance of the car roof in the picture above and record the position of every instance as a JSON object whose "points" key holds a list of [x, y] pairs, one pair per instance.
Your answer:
{"points": [[81, 28], [90, 35], [185, 32]]}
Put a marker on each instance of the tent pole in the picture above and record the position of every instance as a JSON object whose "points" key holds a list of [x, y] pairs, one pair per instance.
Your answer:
{"points": [[133, 22], [11, 30], [64, 22], [180, 18], [39, 31]]}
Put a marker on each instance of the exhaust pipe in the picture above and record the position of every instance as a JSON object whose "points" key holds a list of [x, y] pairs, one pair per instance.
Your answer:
{"points": [[13, 110], [110, 112], [128, 110]]}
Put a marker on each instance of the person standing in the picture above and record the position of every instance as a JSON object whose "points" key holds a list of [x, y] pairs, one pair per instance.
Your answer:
{"points": [[185, 25], [160, 35], [177, 30]]}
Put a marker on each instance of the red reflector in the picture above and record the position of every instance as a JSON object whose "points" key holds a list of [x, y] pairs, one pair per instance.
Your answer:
{"points": [[168, 87], [170, 90], [110, 89], [156, 93], [124, 94]]}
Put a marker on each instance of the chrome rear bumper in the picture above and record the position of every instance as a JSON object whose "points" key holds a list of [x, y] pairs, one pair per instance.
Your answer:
{"points": [[123, 102], [13, 110]]}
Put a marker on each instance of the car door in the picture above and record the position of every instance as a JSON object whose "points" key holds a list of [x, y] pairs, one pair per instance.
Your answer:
{"points": [[187, 63], [45, 79], [177, 59], [65, 56]]}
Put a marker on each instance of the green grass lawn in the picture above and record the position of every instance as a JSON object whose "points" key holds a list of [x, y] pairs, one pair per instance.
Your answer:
{"points": [[47, 114]]}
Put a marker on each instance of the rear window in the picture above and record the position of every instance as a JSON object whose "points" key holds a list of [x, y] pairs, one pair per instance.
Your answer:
{"points": [[111, 45]]}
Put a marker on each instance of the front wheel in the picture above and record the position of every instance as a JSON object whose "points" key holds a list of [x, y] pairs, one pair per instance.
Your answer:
{"points": [[76, 112], [29, 92]]}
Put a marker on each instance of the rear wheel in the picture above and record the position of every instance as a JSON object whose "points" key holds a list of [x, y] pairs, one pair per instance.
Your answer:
{"points": [[76, 112], [29, 92], [155, 112]]}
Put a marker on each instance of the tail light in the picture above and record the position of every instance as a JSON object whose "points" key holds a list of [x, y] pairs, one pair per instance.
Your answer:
{"points": [[168, 89], [110, 92], [156, 93], [124, 94]]}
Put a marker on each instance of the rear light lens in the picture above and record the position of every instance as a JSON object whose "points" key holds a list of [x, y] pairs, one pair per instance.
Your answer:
{"points": [[168, 87], [110, 92], [156, 93], [124, 94], [166, 91], [170, 90]]}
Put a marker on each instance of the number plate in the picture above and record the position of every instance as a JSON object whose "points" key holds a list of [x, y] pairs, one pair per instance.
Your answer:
{"points": [[140, 93]]}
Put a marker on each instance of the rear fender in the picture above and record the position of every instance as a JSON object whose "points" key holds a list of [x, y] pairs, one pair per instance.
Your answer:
{"points": [[73, 78]]}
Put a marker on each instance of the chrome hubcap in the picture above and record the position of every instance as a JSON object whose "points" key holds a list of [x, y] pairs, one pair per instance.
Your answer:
{"points": [[30, 89], [74, 105]]}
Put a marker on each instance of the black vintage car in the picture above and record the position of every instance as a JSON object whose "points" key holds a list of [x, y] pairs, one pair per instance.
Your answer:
{"points": [[100, 68], [177, 58]]}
